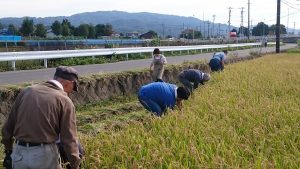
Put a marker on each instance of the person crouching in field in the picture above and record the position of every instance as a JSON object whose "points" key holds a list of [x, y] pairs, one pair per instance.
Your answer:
{"points": [[217, 61], [158, 96], [157, 65], [191, 78]]}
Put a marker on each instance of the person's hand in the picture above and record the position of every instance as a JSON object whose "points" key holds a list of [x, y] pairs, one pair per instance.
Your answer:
{"points": [[7, 162], [179, 105]]}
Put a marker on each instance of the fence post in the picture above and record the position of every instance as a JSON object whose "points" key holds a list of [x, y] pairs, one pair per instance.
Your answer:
{"points": [[188, 52], [39, 46], [13, 65], [126, 56], [6, 46], [45, 63], [65, 45]]}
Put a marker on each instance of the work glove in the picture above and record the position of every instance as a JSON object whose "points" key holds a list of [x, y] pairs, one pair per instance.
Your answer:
{"points": [[7, 162]]}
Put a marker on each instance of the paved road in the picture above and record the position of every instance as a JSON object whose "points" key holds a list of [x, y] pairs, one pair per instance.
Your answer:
{"points": [[30, 76]]}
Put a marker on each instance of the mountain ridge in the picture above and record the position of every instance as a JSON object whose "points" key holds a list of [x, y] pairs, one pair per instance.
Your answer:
{"points": [[123, 22]]}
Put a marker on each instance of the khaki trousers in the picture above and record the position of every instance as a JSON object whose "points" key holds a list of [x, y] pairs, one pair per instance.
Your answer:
{"points": [[45, 156]]}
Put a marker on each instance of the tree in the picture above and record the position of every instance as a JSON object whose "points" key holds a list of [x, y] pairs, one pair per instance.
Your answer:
{"points": [[27, 27], [56, 28], [65, 31], [68, 24], [1, 26], [92, 32], [260, 29], [12, 30], [104, 30], [243, 31], [82, 30], [191, 34], [40, 30], [273, 28], [108, 30]]}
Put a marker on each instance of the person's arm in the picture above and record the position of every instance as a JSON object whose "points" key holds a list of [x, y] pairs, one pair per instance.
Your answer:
{"points": [[179, 104], [152, 63], [222, 64], [68, 134], [164, 60], [8, 128]]}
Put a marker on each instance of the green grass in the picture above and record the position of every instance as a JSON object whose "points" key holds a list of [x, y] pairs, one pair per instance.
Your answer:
{"points": [[245, 117]]}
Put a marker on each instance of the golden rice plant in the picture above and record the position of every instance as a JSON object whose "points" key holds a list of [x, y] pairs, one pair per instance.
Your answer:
{"points": [[246, 117]]}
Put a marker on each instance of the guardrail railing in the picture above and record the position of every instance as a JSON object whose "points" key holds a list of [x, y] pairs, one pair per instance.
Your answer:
{"points": [[33, 55]]}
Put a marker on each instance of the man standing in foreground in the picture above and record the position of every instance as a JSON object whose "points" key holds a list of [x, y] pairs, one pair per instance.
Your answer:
{"points": [[39, 115], [217, 61], [158, 96], [191, 78]]}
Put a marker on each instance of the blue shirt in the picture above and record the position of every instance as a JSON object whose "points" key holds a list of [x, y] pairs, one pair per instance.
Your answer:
{"points": [[164, 94], [220, 56]]}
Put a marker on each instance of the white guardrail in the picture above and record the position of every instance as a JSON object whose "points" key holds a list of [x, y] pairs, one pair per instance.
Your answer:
{"points": [[33, 55]]}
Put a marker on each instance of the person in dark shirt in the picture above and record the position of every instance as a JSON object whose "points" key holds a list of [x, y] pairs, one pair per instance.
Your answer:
{"points": [[158, 96], [217, 61], [192, 77]]}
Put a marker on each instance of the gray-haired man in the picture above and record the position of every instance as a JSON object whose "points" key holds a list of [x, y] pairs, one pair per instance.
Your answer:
{"points": [[39, 115]]}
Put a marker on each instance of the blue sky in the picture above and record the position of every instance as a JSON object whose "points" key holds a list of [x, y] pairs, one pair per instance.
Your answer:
{"points": [[260, 10]]}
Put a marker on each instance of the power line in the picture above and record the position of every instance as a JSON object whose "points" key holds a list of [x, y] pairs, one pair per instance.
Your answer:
{"points": [[290, 5]]}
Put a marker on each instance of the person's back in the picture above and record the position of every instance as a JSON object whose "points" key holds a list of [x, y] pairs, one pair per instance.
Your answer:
{"points": [[158, 96], [219, 55], [38, 110], [189, 76], [217, 61], [193, 75], [39, 115], [161, 93]]}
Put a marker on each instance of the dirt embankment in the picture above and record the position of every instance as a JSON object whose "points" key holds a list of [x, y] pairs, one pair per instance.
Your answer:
{"points": [[99, 87]]}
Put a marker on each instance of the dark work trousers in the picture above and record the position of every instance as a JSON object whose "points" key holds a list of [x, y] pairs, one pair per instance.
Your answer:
{"points": [[151, 105], [215, 65], [186, 82]]}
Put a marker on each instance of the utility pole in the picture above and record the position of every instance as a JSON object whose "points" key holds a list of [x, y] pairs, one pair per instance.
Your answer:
{"points": [[208, 35], [287, 24], [278, 27], [250, 30], [294, 28], [219, 29], [183, 30], [229, 20], [163, 33], [248, 19], [213, 27], [242, 21], [203, 25]]}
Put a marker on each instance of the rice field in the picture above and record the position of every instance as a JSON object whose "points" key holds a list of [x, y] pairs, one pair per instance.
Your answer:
{"points": [[246, 117]]}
